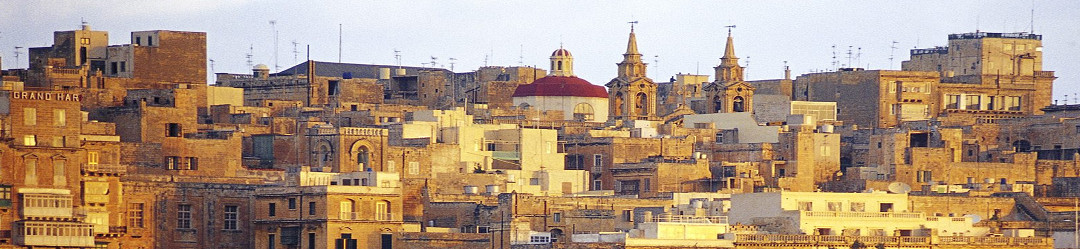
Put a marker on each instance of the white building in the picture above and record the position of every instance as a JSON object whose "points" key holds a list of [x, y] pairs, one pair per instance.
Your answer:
{"points": [[850, 214], [562, 91]]}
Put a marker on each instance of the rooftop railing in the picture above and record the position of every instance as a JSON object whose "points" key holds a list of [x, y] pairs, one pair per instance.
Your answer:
{"points": [[692, 219], [862, 214]]}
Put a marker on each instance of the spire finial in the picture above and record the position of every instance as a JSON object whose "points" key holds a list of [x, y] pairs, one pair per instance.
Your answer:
{"points": [[729, 27], [632, 25]]}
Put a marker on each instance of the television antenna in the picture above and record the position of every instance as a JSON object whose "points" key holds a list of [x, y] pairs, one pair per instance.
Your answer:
{"points": [[892, 53], [273, 25], [295, 52], [397, 57], [249, 55], [452, 60], [17, 53], [433, 61]]}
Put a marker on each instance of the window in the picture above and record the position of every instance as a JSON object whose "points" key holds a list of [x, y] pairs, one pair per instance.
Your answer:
{"points": [[138, 40], [806, 206], [270, 241], [135, 215], [60, 118], [192, 163], [30, 177], [720, 137], [598, 163], [928, 176], [149, 40], [835, 206], [84, 41], [539, 239], [648, 186], [172, 162], [972, 102], [173, 130], [272, 209], [311, 208], [382, 210], [596, 185], [123, 66], [232, 217], [414, 168], [556, 217], [1012, 103], [391, 166], [311, 240], [29, 116], [583, 112], [183, 216], [858, 207], [59, 173], [29, 140], [92, 157], [114, 68], [292, 203], [628, 215], [534, 181], [5, 195]]}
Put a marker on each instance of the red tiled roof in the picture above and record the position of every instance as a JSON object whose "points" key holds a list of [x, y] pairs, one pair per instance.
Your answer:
{"points": [[561, 86]]}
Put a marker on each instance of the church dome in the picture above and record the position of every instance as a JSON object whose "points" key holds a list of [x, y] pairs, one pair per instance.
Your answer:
{"points": [[561, 52], [561, 86]]}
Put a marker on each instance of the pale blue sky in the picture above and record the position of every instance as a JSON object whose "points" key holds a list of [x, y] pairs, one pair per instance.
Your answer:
{"points": [[674, 36]]}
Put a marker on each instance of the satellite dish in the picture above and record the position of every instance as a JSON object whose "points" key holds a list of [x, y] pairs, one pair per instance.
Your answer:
{"points": [[899, 188], [974, 217]]}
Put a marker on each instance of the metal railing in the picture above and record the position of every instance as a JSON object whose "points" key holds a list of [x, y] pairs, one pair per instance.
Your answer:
{"points": [[862, 214], [104, 168], [887, 240], [692, 219]]}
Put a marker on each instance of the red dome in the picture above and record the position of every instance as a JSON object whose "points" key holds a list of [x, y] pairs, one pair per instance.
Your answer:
{"points": [[561, 86], [561, 52]]}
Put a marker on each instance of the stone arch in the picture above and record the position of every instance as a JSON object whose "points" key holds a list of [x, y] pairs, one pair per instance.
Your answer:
{"points": [[641, 104], [1022, 146], [738, 104], [618, 103], [324, 153], [718, 104], [362, 153], [583, 112]]}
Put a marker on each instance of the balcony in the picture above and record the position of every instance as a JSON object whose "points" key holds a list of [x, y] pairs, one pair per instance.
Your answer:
{"points": [[46, 205], [772, 239], [692, 219], [350, 216], [53, 234], [831, 214], [384, 216], [117, 169]]}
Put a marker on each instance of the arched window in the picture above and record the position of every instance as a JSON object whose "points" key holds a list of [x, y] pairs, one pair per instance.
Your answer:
{"points": [[382, 210], [642, 104], [347, 210], [737, 104], [718, 104], [618, 104], [559, 63], [324, 155], [362, 157], [583, 112]]}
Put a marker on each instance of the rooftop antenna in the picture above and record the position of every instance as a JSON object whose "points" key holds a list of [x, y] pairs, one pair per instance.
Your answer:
{"points": [[858, 56], [273, 25], [656, 65], [211, 66], [834, 61], [632, 25], [486, 60], [848, 57], [17, 53], [729, 27], [295, 53], [521, 54], [339, 43], [892, 52], [433, 60], [397, 57], [1032, 17], [452, 59], [747, 67], [250, 54]]}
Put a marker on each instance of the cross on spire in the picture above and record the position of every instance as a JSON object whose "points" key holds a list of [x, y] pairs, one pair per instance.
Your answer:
{"points": [[632, 25], [729, 27]]}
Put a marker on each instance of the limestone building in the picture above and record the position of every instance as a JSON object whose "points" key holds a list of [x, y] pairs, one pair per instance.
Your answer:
{"points": [[578, 99]]}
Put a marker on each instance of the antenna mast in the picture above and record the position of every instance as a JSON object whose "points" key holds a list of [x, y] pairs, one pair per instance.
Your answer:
{"points": [[273, 25], [17, 53], [250, 54], [892, 53], [339, 43], [295, 53], [397, 57], [452, 59]]}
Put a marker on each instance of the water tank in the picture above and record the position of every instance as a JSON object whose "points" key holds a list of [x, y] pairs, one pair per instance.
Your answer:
{"points": [[399, 72], [827, 128], [471, 190], [491, 189], [384, 73], [697, 155]]}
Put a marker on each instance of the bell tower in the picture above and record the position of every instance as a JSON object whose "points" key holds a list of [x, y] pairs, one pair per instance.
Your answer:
{"points": [[632, 95], [729, 92]]}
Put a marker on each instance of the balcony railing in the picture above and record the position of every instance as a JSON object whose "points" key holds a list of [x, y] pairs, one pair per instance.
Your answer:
{"points": [[361, 216], [692, 219], [104, 168], [349, 216], [53, 234], [384, 216], [862, 214], [887, 240]]}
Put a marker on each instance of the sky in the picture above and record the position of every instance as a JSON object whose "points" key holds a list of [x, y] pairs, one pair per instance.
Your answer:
{"points": [[674, 36]]}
